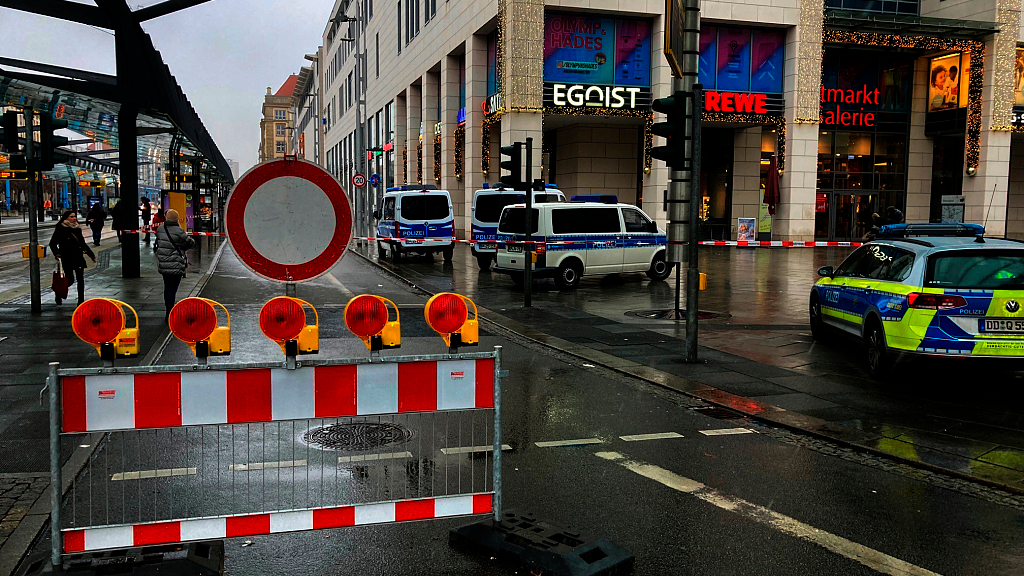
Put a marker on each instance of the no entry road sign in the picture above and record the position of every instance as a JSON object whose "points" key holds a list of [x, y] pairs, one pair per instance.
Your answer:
{"points": [[359, 180], [288, 220], [374, 180]]}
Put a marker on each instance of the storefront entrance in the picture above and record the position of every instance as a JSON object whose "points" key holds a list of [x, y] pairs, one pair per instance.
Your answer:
{"points": [[845, 215]]}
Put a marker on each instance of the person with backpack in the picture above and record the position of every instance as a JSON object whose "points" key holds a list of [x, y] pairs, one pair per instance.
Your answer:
{"points": [[69, 247], [171, 243], [95, 220]]}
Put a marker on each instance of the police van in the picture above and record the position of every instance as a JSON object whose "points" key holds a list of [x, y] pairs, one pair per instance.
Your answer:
{"points": [[415, 219], [487, 206], [576, 239]]}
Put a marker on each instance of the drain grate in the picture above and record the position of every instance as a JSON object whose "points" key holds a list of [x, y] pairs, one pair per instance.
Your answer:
{"points": [[720, 413], [357, 436]]}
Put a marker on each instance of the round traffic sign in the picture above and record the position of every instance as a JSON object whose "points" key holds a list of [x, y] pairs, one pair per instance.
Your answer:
{"points": [[288, 220], [359, 180], [374, 180]]}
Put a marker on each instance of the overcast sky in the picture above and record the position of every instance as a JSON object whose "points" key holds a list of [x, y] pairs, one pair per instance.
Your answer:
{"points": [[223, 53]]}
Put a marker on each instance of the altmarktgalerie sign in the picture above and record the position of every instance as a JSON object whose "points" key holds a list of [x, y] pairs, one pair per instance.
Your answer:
{"points": [[590, 96]]}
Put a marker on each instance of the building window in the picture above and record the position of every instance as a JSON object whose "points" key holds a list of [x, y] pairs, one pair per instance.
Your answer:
{"points": [[279, 130], [279, 115], [279, 146], [378, 54], [911, 7], [399, 26], [429, 10]]}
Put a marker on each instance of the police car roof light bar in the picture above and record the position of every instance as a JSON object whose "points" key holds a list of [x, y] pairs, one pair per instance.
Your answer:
{"points": [[930, 229]]}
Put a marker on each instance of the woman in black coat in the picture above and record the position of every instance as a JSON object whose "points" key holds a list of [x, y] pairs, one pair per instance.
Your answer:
{"points": [[69, 247]]}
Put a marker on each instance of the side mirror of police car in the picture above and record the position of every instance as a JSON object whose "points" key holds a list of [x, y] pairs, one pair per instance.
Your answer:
{"points": [[826, 271], [652, 227]]}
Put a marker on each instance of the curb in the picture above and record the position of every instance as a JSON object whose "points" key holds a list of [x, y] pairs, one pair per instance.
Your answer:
{"points": [[760, 411], [29, 529]]}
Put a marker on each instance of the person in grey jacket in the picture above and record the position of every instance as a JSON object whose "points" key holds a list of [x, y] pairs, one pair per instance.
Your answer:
{"points": [[171, 243]]}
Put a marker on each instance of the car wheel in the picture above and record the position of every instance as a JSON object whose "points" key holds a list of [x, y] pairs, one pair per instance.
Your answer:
{"points": [[568, 275], [448, 253], [380, 251], [659, 269], [817, 325], [878, 357], [484, 261], [517, 279]]}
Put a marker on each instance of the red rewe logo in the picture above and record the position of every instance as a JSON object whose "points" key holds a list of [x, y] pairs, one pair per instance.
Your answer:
{"points": [[735, 102]]}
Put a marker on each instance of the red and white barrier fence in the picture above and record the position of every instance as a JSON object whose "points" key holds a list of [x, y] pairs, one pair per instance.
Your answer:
{"points": [[780, 243]]}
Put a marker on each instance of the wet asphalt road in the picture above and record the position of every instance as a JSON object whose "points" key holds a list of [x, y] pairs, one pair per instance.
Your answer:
{"points": [[768, 505]]}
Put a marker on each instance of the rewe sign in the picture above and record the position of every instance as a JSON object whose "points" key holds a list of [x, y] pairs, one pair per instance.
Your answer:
{"points": [[715, 101]]}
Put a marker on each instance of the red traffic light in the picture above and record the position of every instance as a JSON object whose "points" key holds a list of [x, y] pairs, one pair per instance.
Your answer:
{"points": [[446, 313], [192, 320], [366, 315], [282, 319], [98, 321]]}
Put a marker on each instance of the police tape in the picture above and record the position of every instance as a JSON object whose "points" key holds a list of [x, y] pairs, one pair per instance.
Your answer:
{"points": [[414, 241], [152, 230], [780, 243]]}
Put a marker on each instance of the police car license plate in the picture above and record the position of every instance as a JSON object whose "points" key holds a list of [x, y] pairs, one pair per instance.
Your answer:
{"points": [[1005, 326], [513, 248]]}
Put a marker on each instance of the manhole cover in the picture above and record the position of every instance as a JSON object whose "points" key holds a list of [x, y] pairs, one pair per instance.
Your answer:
{"points": [[357, 436], [671, 314]]}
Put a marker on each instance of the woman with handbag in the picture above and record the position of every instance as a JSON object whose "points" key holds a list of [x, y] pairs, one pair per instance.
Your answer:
{"points": [[171, 243], [69, 247]]}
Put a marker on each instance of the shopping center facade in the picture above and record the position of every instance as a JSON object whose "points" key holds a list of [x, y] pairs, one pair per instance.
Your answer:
{"points": [[859, 104]]}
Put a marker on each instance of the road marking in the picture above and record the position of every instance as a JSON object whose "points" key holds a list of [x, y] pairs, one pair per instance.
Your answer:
{"points": [[344, 291], [658, 436], [468, 449], [726, 431], [372, 457], [579, 442], [161, 473], [267, 465], [878, 561]]}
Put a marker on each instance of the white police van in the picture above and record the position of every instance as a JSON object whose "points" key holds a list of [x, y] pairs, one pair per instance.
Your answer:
{"points": [[487, 206], [415, 219], [575, 239]]}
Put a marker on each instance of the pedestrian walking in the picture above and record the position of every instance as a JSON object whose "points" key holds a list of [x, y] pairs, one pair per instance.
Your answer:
{"points": [[145, 211], [158, 219], [95, 220], [115, 219], [69, 247], [171, 243]]}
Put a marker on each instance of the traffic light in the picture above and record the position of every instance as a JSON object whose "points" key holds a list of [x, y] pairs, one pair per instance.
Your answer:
{"points": [[673, 130], [49, 141], [514, 165], [11, 133]]}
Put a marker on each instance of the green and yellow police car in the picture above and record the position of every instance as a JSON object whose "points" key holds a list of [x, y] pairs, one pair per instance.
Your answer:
{"points": [[926, 289]]}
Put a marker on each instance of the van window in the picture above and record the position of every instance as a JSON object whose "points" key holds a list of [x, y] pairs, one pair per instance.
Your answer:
{"points": [[488, 206], [635, 221], [389, 209], [425, 207], [585, 221], [547, 198], [514, 219]]}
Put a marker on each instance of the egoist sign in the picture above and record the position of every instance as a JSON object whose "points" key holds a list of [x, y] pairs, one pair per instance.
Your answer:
{"points": [[596, 96]]}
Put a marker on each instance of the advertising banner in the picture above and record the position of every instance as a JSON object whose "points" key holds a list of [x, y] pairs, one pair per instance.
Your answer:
{"points": [[1018, 79], [707, 59], [632, 52], [594, 50], [947, 82], [734, 59], [767, 61], [746, 228]]}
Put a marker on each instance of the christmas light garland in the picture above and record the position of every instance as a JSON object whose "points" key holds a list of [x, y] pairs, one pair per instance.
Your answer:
{"points": [[419, 163], [405, 165], [460, 151], [485, 142], [437, 158]]}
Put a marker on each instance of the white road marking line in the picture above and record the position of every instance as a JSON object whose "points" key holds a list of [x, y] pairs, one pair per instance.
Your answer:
{"points": [[161, 473], [726, 431], [267, 465], [878, 561], [578, 442], [344, 291], [657, 436], [468, 449], [372, 457]]}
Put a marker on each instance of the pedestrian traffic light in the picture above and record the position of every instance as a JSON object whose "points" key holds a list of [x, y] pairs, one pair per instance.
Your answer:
{"points": [[49, 141], [100, 322], [194, 322], [11, 133], [514, 165], [283, 320], [367, 317], [448, 315], [673, 130]]}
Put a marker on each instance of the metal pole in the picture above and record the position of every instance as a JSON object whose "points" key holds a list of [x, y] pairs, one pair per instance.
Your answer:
{"points": [[528, 231], [56, 483], [693, 270], [497, 434], [33, 225]]}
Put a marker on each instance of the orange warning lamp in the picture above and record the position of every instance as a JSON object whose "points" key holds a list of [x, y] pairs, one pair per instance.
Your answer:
{"points": [[448, 315], [101, 323], [283, 320], [367, 317], [194, 322]]}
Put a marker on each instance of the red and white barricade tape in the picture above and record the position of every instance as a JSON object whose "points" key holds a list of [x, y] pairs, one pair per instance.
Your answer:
{"points": [[105, 402], [780, 243], [126, 536]]}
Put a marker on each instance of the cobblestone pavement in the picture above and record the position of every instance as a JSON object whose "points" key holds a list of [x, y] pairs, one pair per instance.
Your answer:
{"points": [[17, 494]]}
